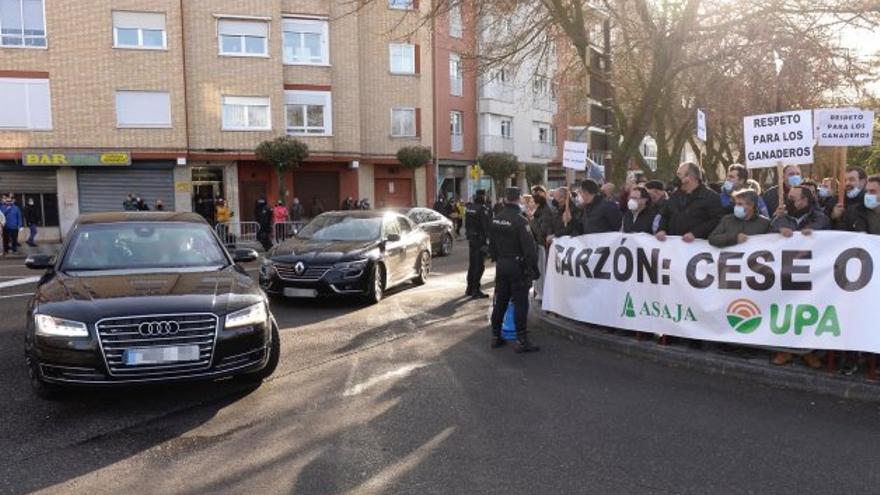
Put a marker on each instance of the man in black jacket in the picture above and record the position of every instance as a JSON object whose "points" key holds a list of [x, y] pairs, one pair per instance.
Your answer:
{"points": [[476, 224], [641, 216], [32, 218], [865, 217], [856, 180], [693, 211], [543, 226], [599, 214]]}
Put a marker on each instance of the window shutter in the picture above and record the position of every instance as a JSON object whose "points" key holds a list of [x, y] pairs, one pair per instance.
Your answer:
{"points": [[417, 58], [418, 122]]}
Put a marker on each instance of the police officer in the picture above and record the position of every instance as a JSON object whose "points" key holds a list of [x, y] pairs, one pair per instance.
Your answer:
{"points": [[477, 218], [513, 248]]}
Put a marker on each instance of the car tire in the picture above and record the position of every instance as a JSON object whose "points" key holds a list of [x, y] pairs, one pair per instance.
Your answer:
{"points": [[272, 364], [446, 245], [423, 268], [41, 388], [377, 284]]}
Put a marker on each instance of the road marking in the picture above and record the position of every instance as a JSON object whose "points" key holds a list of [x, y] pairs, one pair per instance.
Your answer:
{"points": [[398, 373], [23, 294], [20, 281]]}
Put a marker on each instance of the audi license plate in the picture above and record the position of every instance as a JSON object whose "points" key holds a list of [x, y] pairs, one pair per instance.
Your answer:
{"points": [[294, 292], [160, 355]]}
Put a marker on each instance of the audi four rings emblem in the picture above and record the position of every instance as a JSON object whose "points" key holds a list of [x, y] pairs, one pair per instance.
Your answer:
{"points": [[299, 268], [154, 328]]}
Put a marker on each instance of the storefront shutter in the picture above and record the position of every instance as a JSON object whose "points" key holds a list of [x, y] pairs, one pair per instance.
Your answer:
{"points": [[106, 189]]}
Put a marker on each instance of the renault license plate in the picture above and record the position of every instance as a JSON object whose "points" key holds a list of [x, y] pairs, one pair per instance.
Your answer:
{"points": [[160, 355], [294, 292]]}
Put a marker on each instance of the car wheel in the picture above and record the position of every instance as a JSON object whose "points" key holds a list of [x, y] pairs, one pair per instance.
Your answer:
{"points": [[274, 357], [446, 245], [377, 284], [423, 269], [42, 389]]}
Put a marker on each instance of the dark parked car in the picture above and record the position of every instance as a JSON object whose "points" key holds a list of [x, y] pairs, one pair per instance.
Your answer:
{"points": [[348, 253], [440, 228], [146, 297]]}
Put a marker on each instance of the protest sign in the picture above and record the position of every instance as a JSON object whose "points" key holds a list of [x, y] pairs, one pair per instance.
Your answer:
{"points": [[774, 139], [574, 155], [844, 127], [701, 125], [809, 292]]}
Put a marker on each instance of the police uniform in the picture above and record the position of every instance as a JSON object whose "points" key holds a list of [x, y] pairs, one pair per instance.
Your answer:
{"points": [[515, 253], [477, 218]]}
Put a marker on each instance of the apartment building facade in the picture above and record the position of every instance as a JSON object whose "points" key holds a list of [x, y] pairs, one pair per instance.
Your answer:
{"points": [[167, 100]]}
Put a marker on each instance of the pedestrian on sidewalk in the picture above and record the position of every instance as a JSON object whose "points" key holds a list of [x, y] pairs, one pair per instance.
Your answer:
{"points": [[160, 206], [32, 217], [14, 222], [297, 211], [2, 229], [477, 219]]}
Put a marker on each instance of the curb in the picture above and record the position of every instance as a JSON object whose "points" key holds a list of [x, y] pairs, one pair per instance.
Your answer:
{"points": [[710, 363]]}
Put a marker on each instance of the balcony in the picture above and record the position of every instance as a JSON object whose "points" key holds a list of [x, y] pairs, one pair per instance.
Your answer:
{"points": [[543, 150], [456, 143], [490, 143], [497, 91], [455, 86], [546, 103]]}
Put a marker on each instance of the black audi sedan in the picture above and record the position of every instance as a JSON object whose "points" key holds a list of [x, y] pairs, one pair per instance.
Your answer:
{"points": [[146, 297], [348, 253], [440, 228]]}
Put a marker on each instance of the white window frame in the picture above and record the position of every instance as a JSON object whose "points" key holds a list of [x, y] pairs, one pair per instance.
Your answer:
{"points": [[160, 125], [456, 79], [243, 52], [452, 121], [501, 125], [415, 124], [327, 128], [401, 4], [256, 101], [325, 39], [140, 34], [29, 126], [455, 22], [25, 37], [402, 46]]}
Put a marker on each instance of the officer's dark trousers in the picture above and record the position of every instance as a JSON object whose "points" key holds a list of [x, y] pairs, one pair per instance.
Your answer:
{"points": [[510, 285], [476, 265]]}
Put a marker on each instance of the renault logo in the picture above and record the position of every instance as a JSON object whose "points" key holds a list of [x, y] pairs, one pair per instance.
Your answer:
{"points": [[158, 328], [299, 268]]}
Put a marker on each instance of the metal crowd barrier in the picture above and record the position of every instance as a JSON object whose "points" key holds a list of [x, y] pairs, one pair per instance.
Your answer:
{"points": [[235, 234], [286, 230]]}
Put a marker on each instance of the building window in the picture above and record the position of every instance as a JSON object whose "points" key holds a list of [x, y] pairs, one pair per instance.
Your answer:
{"points": [[143, 109], [243, 38], [26, 104], [401, 4], [403, 122], [455, 77], [455, 25], [145, 30], [22, 23], [246, 113], [309, 112], [455, 131], [546, 133], [306, 42], [403, 58], [506, 128], [540, 85]]}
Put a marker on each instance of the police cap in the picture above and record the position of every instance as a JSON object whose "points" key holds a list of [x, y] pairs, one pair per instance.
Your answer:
{"points": [[512, 194]]}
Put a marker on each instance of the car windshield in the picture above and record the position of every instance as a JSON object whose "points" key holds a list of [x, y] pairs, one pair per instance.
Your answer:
{"points": [[342, 228], [144, 245]]}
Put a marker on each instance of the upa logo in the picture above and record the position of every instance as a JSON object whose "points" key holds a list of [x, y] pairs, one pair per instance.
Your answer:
{"points": [[744, 316]]}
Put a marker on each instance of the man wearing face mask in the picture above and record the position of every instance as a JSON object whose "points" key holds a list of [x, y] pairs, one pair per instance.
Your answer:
{"points": [[865, 217], [693, 210], [542, 225], [745, 221], [599, 214], [792, 177], [799, 214], [828, 195], [737, 179], [641, 216], [568, 215], [856, 179]]}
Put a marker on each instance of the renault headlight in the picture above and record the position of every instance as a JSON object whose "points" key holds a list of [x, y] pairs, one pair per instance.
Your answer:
{"points": [[249, 316], [58, 327], [350, 265]]}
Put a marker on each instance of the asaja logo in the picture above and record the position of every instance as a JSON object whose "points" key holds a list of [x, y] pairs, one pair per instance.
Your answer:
{"points": [[656, 309], [744, 315]]}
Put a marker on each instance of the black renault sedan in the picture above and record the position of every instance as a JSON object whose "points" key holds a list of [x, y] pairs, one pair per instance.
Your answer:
{"points": [[348, 253], [146, 297]]}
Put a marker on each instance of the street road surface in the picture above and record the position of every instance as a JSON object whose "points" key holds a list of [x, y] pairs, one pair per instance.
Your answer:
{"points": [[407, 398]]}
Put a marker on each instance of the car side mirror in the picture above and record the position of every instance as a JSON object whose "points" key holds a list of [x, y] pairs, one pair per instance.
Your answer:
{"points": [[39, 261], [244, 255], [392, 237]]}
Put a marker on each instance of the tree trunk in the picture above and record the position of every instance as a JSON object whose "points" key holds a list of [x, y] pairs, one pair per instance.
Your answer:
{"points": [[282, 190]]}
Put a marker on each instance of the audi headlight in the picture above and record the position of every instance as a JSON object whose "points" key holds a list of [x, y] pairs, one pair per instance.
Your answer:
{"points": [[249, 316], [58, 327]]}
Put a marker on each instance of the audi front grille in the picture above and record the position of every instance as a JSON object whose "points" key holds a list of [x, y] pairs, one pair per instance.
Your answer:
{"points": [[118, 334], [308, 273]]}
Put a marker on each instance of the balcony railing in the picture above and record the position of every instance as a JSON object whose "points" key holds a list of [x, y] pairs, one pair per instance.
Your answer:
{"points": [[455, 86], [490, 143], [456, 142], [497, 91], [543, 150]]}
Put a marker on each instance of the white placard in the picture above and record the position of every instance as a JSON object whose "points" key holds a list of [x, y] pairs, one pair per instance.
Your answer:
{"points": [[844, 127], [574, 155], [784, 138], [701, 125]]}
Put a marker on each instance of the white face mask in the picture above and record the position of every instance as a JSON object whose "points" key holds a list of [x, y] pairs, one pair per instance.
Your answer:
{"points": [[632, 204], [728, 185], [854, 193]]}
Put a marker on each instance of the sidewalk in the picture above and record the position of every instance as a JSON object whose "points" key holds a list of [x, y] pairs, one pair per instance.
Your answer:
{"points": [[740, 362], [42, 248]]}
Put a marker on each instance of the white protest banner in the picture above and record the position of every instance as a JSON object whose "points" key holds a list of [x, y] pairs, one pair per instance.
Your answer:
{"points": [[574, 155], [784, 138], [810, 292], [844, 127], [701, 125]]}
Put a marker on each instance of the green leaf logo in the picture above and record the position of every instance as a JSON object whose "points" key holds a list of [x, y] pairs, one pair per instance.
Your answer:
{"points": [[744, 316]]}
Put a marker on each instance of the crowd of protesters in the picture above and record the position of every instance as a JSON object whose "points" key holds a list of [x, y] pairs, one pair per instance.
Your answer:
{"points": [[725, 214], [14, 219]]}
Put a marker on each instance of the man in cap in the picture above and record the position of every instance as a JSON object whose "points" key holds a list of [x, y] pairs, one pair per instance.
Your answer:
{"points": [[477, 218], [513, 248]]}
